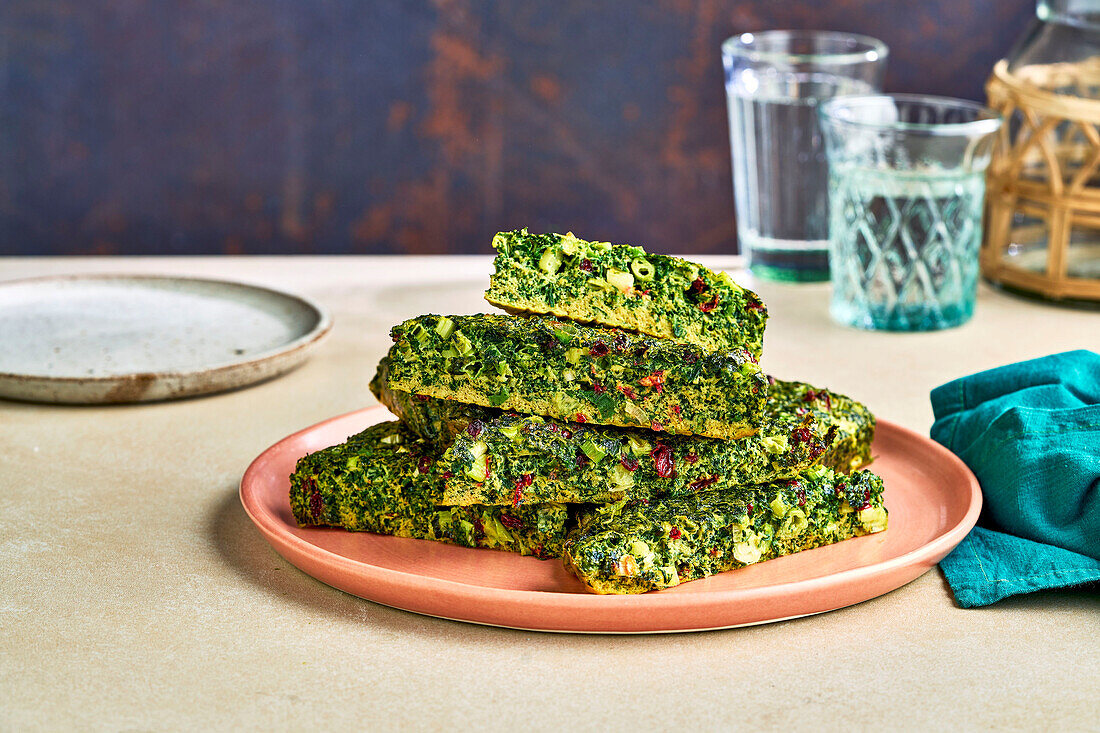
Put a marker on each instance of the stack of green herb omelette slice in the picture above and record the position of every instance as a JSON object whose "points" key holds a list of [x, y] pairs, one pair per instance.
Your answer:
{"points": [[616, 417]]}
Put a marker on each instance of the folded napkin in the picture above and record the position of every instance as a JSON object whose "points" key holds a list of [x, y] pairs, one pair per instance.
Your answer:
{"points": [[1030, 432]]}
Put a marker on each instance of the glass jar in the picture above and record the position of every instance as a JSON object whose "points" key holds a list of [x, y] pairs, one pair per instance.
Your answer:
{"points": [[1043, 212]]}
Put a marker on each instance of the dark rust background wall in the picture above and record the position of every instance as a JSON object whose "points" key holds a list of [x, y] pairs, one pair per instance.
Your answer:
{"points": [[263, 126]]}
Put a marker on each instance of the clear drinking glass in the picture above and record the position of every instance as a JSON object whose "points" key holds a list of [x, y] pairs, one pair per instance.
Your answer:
{"points": [[906, 189], [774, 82]]}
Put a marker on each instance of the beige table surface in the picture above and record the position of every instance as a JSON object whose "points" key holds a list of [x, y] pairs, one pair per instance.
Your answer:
{"points": [[136, 594]]}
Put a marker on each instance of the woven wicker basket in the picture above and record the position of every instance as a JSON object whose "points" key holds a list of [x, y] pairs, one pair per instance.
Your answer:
{"points": [[1042, 232]]}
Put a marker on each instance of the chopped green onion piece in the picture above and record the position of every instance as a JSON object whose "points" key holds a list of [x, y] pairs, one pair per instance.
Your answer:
{"points": [[778, 507], [550, 261], [445, 327], [774, 444], [479, 469], [794, 524], [564, 332], [462, 344], [420, 334], [569, 244], [594, 452], [621, 281], [623, 478], [643, 270], [498, 399]]}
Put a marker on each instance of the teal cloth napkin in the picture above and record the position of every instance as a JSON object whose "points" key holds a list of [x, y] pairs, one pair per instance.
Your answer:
{"points": [[1030, 432]]}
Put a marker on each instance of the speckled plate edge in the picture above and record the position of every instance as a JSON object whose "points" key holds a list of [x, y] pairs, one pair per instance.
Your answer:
{"points": [[647, 613], [167, 385]]}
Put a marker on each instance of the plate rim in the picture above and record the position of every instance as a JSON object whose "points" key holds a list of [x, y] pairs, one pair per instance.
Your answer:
{"points": [[321, 327], [925, 555]]}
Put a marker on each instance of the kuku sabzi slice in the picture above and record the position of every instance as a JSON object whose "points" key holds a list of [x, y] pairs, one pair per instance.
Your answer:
{"points": [[631, 547], [385, 480], [851, 424], [800, 423], [586, 374], [516, 459], [624, 287]]}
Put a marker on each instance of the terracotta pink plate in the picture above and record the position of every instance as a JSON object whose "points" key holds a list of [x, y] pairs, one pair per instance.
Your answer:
{"points": [[932, 497]]}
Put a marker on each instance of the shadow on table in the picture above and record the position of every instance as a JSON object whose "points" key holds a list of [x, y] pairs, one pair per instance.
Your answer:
{"points": [[245, 551]]}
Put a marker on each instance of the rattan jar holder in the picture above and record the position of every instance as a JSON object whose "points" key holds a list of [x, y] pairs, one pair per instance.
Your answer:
{"points": [[1043, 184]]}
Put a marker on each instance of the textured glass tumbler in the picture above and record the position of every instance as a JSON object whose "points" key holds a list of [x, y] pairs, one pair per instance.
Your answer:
{"points": [[774, 83], [906, 189]]}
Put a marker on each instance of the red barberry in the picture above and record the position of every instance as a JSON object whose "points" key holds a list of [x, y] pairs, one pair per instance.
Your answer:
{"points": [[598, 349], [663, 461]]}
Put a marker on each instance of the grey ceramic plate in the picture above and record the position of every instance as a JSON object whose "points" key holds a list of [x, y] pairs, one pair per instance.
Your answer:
{"points": [[127, 338]]}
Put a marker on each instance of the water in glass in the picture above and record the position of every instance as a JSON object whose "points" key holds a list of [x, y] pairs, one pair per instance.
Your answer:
{"points": [[780, 175], [905, 246]]}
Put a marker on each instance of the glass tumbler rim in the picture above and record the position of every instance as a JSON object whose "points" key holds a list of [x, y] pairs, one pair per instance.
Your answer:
{"points": [[742, 45], [986, 121]]}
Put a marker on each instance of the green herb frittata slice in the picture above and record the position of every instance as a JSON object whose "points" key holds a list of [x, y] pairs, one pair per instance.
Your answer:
{"points": [[516, 459], [632, 547], [587, 374], [490, 453], [625, 287], [385, 480]]}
